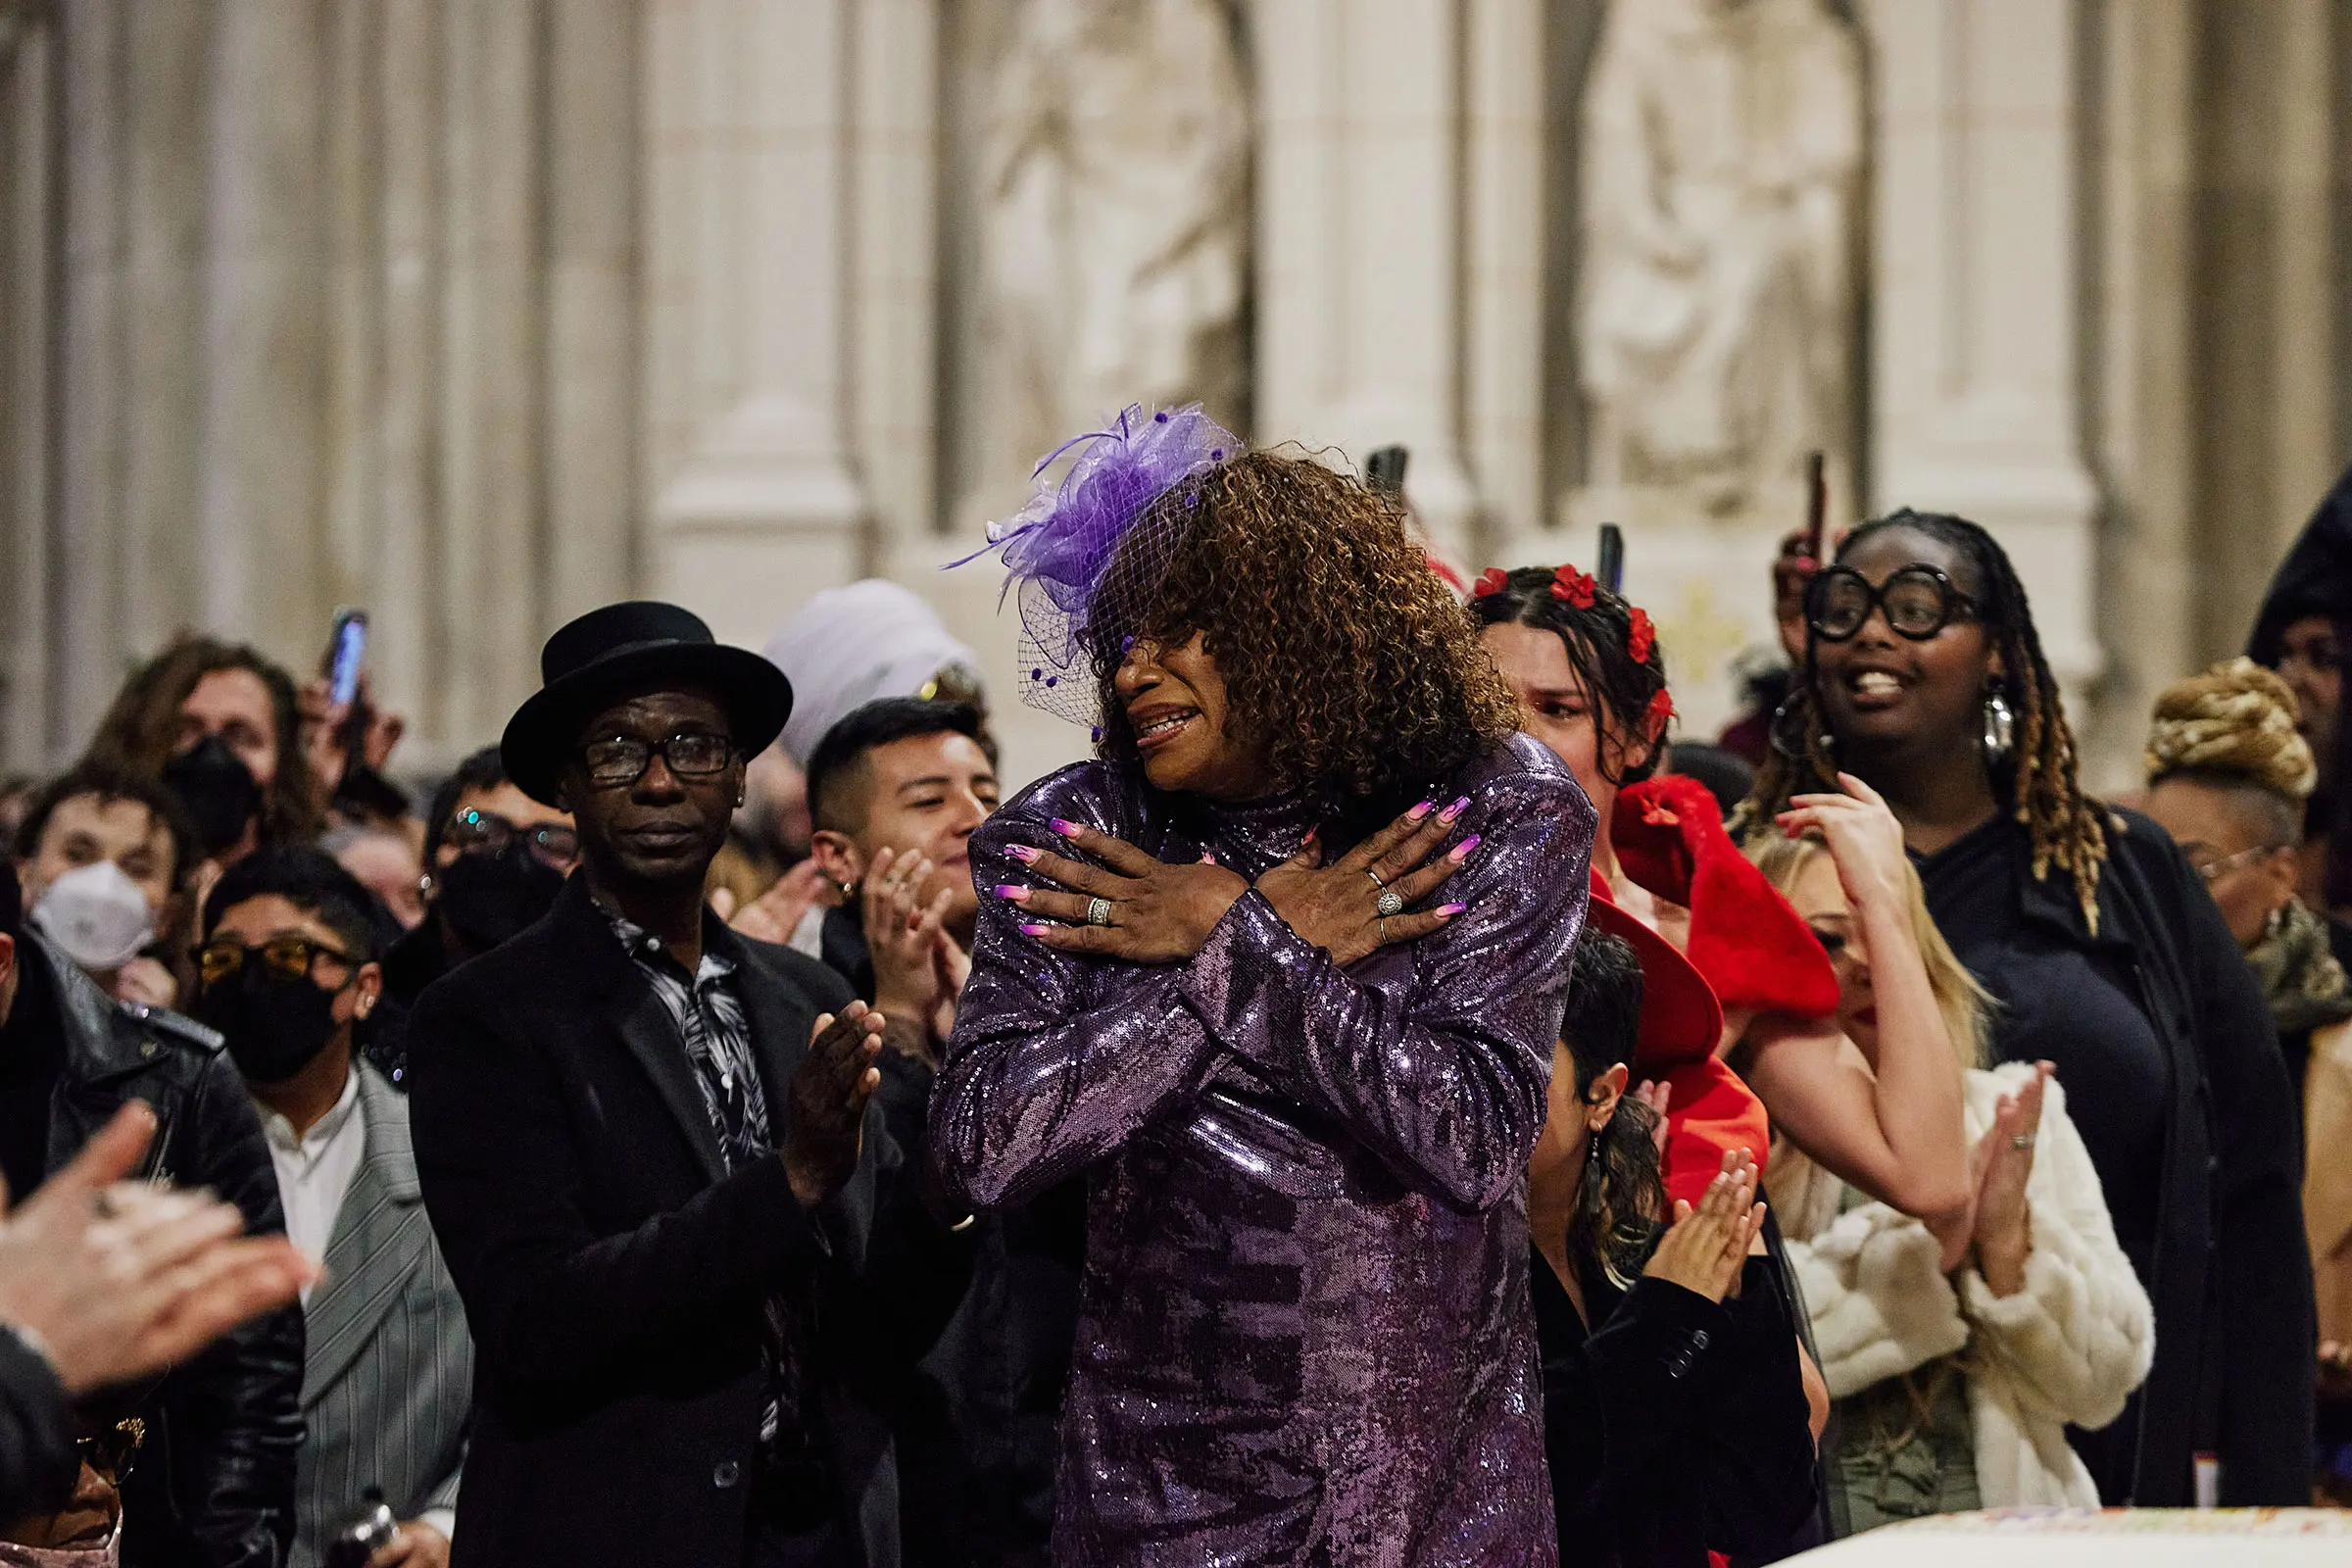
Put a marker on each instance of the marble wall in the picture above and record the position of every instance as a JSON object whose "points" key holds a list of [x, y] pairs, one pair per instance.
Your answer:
{"points": [[477, 312]]}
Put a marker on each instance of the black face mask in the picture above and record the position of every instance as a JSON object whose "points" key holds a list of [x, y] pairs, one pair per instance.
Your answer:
{"points": [[217, 790], [488, 898], [276, 1025]]}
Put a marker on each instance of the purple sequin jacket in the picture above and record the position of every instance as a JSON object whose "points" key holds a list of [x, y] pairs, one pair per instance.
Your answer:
{"points": [[1305, 1333]]}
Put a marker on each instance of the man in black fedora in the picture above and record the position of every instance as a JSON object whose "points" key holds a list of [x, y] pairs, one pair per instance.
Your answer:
{"points": [[645, 1144]]}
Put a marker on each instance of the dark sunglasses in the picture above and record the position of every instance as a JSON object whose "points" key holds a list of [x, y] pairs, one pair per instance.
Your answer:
{"points": [[296, 957], [110, 1453], [488, 833], [623, 758], [1919, 602]]}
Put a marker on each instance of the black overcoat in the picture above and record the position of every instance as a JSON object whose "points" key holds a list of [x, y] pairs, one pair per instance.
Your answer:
{"points": [[615, 1274]]}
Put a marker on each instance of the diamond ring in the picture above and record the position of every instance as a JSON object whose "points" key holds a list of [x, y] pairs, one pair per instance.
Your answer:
{"points": [[1389, 903], [1098, 912]]}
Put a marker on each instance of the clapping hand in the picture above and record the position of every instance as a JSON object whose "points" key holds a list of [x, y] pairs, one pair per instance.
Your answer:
{"points": [[2002, 1162], [120, 1279], [1364, 900], [824, 1116], [1150, 910], [1707, 1246], [902, 934]]}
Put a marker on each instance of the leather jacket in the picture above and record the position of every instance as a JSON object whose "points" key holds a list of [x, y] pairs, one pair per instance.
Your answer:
{"points": [[212, 1484]]}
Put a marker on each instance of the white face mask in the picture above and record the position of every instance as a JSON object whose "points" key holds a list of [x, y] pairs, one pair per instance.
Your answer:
{"points": [[97, 915]]}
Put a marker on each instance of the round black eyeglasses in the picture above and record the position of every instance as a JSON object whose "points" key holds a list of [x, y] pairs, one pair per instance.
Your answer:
{"points": [[1919, 602]]}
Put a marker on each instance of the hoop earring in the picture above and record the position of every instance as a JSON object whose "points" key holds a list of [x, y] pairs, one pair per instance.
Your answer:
{"points": [[2000, 728], [1786, 737]]}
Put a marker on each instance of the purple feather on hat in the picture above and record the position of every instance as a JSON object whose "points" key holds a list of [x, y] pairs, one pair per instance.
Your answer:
{"points": [[1056, 548]]}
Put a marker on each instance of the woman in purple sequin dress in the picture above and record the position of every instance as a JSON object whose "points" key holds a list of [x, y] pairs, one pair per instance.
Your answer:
{"points": [[1282, 972]]}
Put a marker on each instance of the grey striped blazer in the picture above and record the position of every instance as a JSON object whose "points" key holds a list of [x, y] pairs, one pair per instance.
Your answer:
{"points": [[389, 1377]]}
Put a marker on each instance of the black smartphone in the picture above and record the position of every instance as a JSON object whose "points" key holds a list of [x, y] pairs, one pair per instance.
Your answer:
{"points": [[1383, 470], [346, 657], [1817, 505]]}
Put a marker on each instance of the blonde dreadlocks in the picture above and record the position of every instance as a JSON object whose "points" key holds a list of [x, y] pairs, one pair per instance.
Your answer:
{"points": [[2066, 829]]}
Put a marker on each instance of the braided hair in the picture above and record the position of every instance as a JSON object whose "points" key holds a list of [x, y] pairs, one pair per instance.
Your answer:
{"points": [[2068, 829], [1611, 646]]}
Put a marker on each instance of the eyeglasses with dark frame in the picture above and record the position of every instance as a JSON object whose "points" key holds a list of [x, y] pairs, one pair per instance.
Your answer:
{"points": [[294, 957], [621, 760], [473, 831], [1919, 602]]}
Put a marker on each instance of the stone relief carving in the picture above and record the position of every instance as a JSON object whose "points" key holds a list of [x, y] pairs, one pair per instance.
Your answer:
{"points": [[1114, 221], [1716, 323]]}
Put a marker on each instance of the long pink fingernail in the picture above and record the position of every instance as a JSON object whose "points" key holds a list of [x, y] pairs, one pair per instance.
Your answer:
{"points": [[1069, 830], [1461, 851], [1446, 911], [1035, 930], [1419, 811], [1013, 895], [1023, 852], [1453, 811]]}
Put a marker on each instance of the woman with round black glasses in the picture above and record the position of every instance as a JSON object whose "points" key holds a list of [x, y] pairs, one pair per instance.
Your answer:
{"points": [[1923, 675]]}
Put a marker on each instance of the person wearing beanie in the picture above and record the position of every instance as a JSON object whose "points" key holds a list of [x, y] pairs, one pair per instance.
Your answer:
{"points": [[2229, 771]]}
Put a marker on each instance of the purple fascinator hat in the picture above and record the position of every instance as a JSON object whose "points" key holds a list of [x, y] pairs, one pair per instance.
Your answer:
{"points": [[1058, 549]]}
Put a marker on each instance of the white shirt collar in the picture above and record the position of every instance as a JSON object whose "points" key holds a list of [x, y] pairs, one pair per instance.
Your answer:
{"points": [[322, 1132]]}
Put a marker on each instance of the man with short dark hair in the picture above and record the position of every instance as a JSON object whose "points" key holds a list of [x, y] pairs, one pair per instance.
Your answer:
{"points": [[494, 861], [895, 790], [288, 972], [105, 856], [211, 1480], [646, 1148]]}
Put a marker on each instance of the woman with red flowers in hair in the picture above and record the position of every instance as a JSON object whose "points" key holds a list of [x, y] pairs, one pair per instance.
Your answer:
{"points": [[1592, 685]]}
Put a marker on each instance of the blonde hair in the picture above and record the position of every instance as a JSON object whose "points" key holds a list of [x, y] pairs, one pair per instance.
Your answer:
{"points": [[1963, 1004], [2233, 724]]}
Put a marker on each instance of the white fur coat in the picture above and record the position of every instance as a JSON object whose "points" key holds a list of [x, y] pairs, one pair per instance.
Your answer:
{"points": [[2070, 1347]]}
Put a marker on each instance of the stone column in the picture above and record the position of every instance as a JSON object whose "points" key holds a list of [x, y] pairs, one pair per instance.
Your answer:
{"points": [[754, 499], [1975, 303], [894, 236], [264, 386], [1359, 323], [590, 372], [1503, 301], [29, 81]]}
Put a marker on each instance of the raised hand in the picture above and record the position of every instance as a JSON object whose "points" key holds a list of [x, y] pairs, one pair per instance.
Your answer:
{"points": [[2004, 1234], [775, 914], [1865, 841], [120, 1279], [1154, 912], [824, 1113], [1336, 907], [1657, 1096], [1707, 1246], [902, 934]]}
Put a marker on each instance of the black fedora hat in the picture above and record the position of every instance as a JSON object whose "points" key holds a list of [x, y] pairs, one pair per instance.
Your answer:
{"points": [[637, 646]]}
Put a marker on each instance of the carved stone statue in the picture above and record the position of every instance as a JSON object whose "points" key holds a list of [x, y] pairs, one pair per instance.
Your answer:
{"points": [[1716, 325], [1114, 221]]}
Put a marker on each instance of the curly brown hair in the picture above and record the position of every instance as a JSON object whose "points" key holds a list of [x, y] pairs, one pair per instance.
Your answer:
{"points": [[1342, 651]]}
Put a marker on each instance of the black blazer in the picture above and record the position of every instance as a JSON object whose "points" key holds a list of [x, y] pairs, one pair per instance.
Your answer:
{"points": [[614, 1274]]}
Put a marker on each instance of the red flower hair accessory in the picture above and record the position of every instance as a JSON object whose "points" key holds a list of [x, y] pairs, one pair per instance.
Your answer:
{"points": [[1574, 586], [1661, 709], [1493, 580], [1642, 637]]}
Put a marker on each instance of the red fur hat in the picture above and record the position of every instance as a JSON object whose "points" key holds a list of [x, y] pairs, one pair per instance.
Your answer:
{"points": [[1752, 948]]}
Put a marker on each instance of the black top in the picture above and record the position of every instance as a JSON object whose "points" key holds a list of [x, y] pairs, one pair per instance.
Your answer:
{"points": [[1678, 1426], [2173, 1074], [32, 1052], [975, 1420], [2062, 1002]]}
